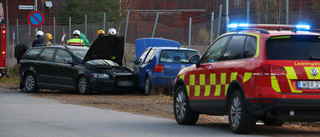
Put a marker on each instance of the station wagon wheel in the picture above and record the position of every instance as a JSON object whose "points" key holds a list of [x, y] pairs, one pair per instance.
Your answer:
{"points": [[240, 120], [83, 85], [183, 114], [147, 86], [30, 83]]}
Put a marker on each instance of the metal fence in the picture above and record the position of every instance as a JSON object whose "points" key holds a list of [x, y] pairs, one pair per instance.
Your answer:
{"points": [[196, 32]]}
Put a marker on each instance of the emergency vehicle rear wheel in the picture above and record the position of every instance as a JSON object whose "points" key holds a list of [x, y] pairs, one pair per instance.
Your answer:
{"points": [[30, 83], [240, 120], [83, 85], [182, 112]]}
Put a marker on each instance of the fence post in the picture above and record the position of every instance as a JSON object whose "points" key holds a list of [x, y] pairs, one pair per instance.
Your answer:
{"points": [[54, 30], [104, 21], [227, 16], [211, 31], [85, 25], [219, 23], [17, 31], [155, 24], [69, 27], [127, 23], [287, 12], [190, 24], [248, 11]]}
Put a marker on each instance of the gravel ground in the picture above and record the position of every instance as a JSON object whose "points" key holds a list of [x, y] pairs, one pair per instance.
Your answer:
{"points": [[153, 105]]}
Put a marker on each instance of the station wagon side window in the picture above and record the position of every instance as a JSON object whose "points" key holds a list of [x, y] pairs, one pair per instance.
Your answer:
{"points": [[32, 54], [62, 56], [150, 56], [214, 52], [235, 48], [47, 54]]}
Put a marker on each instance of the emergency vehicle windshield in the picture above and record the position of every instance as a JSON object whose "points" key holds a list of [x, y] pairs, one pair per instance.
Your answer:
{"points": [[293, 48]]}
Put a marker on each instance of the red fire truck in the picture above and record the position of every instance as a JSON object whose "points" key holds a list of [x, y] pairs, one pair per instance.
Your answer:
{"points": [[3, 44]]}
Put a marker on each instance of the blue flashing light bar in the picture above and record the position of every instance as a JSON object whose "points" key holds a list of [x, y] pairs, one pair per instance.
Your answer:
{"points": [[303, 27]]}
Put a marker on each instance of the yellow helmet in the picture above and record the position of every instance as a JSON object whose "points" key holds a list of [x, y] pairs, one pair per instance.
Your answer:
{"points": [[101, 32], [49, 35]]}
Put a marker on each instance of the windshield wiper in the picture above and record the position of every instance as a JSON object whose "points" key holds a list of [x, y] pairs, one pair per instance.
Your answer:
{"points": [[314, 58]]}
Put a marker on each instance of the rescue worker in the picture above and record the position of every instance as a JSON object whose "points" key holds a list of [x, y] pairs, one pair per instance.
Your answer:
{"points": [[76, 40], [50, 38], [20, 49], [100, 33], [112, 31], [84, 38], [37, 40]]}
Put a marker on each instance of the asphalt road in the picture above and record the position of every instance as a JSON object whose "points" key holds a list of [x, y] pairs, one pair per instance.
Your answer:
{"points": [[22, 114]]}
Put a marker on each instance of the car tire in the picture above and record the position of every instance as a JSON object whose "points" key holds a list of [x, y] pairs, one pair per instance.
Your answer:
{"points": [[183, 114], [240, 119], [83, 86], [147, 86], [30, 83], [273, 122]]}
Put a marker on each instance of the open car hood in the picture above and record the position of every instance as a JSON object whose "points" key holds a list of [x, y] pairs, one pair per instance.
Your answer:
{"points": [[106, 47]]}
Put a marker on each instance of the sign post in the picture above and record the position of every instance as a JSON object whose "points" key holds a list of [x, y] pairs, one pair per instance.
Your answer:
{"points": [[36, 18]]}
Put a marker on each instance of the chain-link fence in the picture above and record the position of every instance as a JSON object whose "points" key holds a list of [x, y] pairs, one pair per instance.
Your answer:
{"points": [[171, 25]]}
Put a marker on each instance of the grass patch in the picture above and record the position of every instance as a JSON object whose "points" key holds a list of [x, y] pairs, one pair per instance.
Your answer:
{"points": [[12, 76]]}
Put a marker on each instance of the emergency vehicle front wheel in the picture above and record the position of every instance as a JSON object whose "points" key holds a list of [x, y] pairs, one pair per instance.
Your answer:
{"points": [[240, 120], [182, 112], [30, 83], [83, 85]]}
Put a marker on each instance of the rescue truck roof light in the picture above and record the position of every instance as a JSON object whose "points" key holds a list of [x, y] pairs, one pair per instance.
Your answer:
{"points": [[264, 27]]}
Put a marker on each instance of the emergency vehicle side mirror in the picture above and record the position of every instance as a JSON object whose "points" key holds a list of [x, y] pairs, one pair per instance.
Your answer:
{"points": [[195, 59]]}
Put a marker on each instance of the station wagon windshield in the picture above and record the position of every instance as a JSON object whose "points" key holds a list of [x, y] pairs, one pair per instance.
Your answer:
{"points": [[79, 53]]}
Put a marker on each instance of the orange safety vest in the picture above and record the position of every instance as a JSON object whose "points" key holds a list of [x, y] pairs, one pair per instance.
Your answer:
{"points": [[75, 41]]}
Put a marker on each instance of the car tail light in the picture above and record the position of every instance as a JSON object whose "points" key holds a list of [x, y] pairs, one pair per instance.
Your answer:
{"points": [[158, 68], [266, 69]]}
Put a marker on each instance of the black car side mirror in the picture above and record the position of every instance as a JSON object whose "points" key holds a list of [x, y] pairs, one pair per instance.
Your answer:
{"points": [[67, 61], [195, 59]]}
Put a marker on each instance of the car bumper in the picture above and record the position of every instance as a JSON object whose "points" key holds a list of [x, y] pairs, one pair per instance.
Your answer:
{"points": [[163, 81], [107, 85], [288, 109]]}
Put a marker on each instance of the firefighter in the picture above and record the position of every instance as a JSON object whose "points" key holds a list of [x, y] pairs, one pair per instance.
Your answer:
{"points": [[112, 31], [85, 40], [50, 38], [100, 33], [76, 40], [37, 40]]}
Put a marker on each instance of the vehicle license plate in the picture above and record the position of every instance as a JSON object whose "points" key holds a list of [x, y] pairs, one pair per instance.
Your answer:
{"points": [[125, 83], [309, 84]]}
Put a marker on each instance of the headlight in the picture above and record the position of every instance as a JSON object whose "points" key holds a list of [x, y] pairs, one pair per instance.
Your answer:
{"points": [[100, 75]]}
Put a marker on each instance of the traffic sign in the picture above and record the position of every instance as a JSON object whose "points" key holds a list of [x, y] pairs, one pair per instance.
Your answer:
{"points": [[36, 18]]}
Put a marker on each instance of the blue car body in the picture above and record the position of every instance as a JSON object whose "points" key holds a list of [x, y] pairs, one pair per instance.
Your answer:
{"points": [[161, 65]]}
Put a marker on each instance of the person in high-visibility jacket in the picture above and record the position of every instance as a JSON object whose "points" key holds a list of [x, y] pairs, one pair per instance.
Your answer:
{"points": [[76, 41]]}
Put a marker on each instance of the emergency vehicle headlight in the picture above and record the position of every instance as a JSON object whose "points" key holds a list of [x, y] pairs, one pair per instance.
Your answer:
{"points": [[303, 27], [100, 75]]}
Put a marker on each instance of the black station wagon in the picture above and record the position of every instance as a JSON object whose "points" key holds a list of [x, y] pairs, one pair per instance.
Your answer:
{"points": [[83, 69]]}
